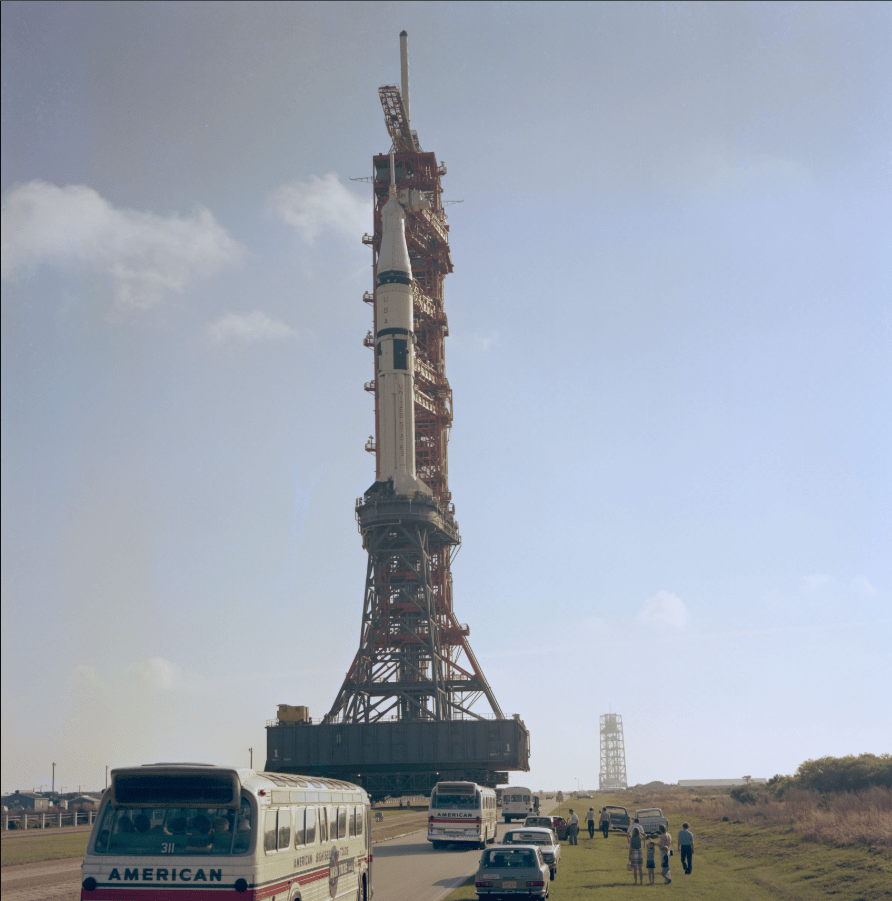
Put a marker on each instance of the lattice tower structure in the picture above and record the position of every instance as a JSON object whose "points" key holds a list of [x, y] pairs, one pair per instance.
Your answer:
{"points": [[612, 776], [414, 659]]}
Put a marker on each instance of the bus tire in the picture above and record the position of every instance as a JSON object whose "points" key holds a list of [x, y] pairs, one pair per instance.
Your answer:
{"points": [[360, 890]]}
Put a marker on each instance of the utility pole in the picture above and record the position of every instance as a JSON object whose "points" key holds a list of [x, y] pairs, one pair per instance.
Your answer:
{"points": [[54, 779], [251, 752], [106, 775]]}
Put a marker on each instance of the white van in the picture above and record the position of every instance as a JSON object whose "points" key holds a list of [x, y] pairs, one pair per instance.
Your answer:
{"points": [[517, 803]]}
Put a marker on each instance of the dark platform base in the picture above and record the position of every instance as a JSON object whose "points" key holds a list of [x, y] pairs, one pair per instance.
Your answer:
{"points": [[403, 757]]}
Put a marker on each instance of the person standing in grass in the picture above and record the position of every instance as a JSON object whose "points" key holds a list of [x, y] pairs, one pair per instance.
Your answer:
{"points": [[636, 852], [573, 829], [665, 850], [651, 864], [604, 820], [685, 840], [590, 820]]}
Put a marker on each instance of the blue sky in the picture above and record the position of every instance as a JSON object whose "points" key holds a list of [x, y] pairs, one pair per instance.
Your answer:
{"points": [[669, 350]]}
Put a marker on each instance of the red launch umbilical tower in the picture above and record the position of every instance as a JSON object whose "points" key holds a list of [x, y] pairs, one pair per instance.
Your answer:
{"points": [[414, 661]]}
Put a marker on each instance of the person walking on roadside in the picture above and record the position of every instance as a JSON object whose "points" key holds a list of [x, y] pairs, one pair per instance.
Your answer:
{"points": [[604, 821], [573, 829], [636, 851], [685, 841], [590, 820], [665, 844]]}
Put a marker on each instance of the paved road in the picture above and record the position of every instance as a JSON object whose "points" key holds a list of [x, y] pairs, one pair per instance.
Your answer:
{"points": [[406, 868]]}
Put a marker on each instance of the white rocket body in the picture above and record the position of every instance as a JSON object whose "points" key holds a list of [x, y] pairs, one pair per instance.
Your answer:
{"points": [[395, 350]]}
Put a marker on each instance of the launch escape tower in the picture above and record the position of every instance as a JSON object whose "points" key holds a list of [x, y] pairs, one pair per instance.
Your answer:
{"points": [[613, 754], [405, 714]]}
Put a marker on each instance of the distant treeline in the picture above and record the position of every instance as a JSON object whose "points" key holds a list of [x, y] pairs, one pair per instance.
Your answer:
{"points": [[834, 775]]}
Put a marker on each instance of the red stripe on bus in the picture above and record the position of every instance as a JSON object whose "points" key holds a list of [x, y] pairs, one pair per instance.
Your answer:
{"points": [[153, 893], [452, 822]]}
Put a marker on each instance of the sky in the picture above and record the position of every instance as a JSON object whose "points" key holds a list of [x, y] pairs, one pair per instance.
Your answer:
{"points": [[669, 348]]}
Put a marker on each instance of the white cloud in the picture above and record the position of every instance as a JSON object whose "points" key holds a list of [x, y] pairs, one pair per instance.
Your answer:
{"points": [[862, 585], [146, 256], [163, 675], [322, 204], [664, 608], [256, 326]]}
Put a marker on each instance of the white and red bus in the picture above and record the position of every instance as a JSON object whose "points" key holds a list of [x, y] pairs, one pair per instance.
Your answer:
{"points": [[461, 812], [176, 832]]}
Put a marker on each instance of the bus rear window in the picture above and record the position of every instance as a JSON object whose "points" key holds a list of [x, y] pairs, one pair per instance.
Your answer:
{"points": [[175, 830]]}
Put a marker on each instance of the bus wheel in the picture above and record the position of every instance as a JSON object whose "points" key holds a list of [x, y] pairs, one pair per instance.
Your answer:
{"points": [[360, 891]]}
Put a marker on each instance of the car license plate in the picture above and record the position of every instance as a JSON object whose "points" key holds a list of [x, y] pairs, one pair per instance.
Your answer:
{"points": [[509, 883]]}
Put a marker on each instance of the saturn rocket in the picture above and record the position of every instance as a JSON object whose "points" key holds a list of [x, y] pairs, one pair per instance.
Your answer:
{"points": [[395, 350]]}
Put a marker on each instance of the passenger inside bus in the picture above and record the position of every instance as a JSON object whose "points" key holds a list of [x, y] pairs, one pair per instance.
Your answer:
{"points": [[175, 830]]}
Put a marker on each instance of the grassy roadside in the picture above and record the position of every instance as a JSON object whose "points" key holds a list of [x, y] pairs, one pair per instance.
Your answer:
{"points": [[731, 860], [42, 847]]}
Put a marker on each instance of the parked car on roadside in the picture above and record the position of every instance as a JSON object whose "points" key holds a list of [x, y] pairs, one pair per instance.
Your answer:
{"points": [[543, 838], [512, 871], [558, 825], [619, 817], [650, 819]]}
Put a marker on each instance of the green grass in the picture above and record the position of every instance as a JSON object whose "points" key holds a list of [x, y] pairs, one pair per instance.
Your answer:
{"points": [[731, 860], [17, 850], [396, 811]]}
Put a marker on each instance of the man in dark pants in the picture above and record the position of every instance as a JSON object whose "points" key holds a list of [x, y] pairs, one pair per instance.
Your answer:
{"points": [[590, 822], [686, 848], [573, 828], [604, 820]]}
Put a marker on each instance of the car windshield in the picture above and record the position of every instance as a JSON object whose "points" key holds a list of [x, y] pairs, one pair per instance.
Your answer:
{"points": [[175, 830], [514, 859], [653, 812]]}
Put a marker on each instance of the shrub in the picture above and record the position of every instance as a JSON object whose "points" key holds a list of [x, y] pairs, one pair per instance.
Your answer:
{"points": [[845, 774], [744, 794]]}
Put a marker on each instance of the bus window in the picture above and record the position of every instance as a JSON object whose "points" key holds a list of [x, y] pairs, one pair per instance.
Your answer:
{"points": [[342, 822], [270, 831], [284, 829], [243, 829], [323, 825], [299, 831], [357, 816], [351, 822], [311, 825]]}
